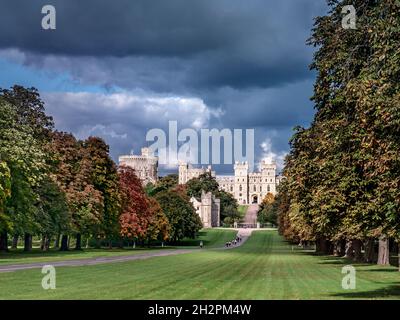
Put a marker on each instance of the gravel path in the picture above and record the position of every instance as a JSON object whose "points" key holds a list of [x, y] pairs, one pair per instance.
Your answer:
{"points": [[251, 214], [93, 261]]}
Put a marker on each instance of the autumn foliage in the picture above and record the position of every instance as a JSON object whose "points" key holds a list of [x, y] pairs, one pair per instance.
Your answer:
{"points": [[141, 217]]}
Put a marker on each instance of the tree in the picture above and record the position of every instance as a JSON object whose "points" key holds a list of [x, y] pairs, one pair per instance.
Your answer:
{"points": [[342, 171], [136, 213], [159, 227], [229, 206], [53, 211], [268, 211], [5, 192], [65, 166], [103, 175], [30, 109], [205, 182], [164, 183], [22, 156], [182, 217]]}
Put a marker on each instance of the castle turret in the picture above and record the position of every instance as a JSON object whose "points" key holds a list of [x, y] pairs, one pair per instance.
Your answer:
{"points": [[183, 172], [268, 171], [242, 182]]}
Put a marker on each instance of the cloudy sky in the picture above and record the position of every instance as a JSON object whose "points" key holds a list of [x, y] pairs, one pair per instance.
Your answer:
{"points": [[116, 69]]}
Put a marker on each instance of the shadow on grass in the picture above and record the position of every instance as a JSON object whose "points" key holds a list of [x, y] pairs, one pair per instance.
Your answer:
{"points": [[391, 291], [389, 269]]}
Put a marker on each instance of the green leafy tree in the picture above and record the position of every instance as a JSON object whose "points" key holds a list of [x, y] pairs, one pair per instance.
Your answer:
{"points": [[205, 182], [104, 177], [53, 211], [25, 160], [182, 217], [164, 183], [5, 192], [268, 211], [341, 171]]}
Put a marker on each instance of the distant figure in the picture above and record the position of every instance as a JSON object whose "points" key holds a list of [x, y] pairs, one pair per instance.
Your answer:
{"points": [[201, 244]]}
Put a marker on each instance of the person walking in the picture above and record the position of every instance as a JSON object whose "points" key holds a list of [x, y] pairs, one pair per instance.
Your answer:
{"points": [[201, 244]]}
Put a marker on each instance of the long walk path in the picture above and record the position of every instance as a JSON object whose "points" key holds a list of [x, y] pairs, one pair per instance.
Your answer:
{"points": [[251, 214], [93, 261]]}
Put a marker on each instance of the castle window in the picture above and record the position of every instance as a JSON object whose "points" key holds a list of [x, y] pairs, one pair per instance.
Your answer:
{"points": [[240, 188], [268, 188], [255, 188], [260, 188]]}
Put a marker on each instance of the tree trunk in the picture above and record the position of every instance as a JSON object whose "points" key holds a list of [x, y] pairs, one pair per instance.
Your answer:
{"points": [[349, 251], [398, 252], [321, 245], [369, 255], [78, 245], [14, 244], [329, 247], [3, 241], [27, 242], [45, 245], [336, 248], [357, 250], [64, 243], [57, 241], [87, 243], [383, 251], [342, 247]]}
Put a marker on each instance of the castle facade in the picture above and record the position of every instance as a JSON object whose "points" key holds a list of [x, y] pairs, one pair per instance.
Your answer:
{"points": [[246, 187], [208, 208], [145, 165]]}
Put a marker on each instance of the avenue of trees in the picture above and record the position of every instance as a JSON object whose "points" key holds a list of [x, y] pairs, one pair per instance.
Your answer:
{"points": [[342, 186], [55, 187]]}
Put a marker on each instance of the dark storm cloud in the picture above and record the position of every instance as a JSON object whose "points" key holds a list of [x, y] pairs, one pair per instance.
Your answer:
{"points": [[240, 64], [224, 42]]}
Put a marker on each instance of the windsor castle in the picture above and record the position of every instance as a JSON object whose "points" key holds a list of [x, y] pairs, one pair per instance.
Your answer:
{"points": [[246, 187]]}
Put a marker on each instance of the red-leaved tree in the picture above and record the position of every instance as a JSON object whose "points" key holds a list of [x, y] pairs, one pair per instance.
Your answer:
{"points": [[136, 214]]}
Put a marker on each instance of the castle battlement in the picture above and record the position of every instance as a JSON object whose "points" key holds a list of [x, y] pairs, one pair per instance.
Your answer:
{"points": [[246, 187], [145, 165]]}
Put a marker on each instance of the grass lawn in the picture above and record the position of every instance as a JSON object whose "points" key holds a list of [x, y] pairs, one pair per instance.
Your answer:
{"points": [[211, 238], [265, 267]]}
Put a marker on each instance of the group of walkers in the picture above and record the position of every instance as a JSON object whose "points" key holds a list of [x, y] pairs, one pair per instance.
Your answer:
{"points": [[233, 242]]}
